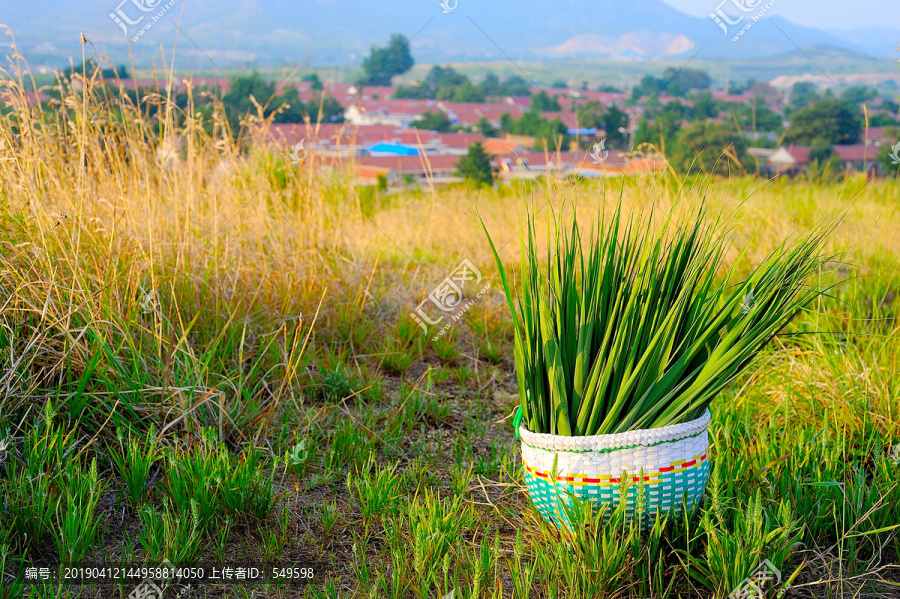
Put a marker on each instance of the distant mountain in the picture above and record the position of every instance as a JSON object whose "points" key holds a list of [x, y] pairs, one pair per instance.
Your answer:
{"points": [[883, 42], [637, 44], [340, 32]]}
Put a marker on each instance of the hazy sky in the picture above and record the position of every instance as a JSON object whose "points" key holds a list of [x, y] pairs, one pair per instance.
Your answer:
{"points": [[825, 14]]}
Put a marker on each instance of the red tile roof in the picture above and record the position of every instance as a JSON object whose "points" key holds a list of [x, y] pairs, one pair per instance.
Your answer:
{"points": [[799, 153], [409, 163], [856, 153], [335, 134], [402, 106], [451, 140], [878, 134], [496, 145], [469, 113], [180, 83]]}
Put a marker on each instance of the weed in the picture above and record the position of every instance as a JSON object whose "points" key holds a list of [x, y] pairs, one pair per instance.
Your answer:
{"points": [[133, 459], [460, 478], [376, 489], [245, 488], [216, 482], [194, 478], [328, 517], [76, 523], [170, 535]]}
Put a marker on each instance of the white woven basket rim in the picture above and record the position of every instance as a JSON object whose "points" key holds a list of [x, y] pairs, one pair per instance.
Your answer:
{"points": [[643, 438]]}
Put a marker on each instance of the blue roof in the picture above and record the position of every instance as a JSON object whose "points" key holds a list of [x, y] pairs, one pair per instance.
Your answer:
{"points": [[591, 131], [393, 149]]}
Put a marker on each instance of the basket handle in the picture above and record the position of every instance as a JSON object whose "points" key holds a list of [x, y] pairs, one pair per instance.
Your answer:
{"points": [[517, 420]]}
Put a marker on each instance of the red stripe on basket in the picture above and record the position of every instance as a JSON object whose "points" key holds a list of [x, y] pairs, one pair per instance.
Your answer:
{"points": [[583, 479]]}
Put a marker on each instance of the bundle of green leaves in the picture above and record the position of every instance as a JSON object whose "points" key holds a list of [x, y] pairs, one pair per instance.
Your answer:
{"points": [[637, 326]]}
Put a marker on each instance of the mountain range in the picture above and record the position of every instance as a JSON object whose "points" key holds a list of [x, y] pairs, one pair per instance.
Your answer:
{"points": [[327, 33]]}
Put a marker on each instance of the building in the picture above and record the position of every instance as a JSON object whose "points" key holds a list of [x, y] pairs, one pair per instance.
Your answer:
{"points": [[511, 144], [384, 148], [468, 114], [859, 157], [400, 170], [795, 159], [617, 162], [789, 160], [398, 113]]}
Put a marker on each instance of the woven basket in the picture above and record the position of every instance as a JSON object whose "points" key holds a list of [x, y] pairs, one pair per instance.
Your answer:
{"points": [[671, 463]]}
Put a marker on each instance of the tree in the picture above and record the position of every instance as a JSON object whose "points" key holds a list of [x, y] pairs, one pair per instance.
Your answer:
{"points": [[823, 159], [444, 78], [836, 121], [292, 108], [559, 83], [887, 158], [119, 72], [803, 94], [513, 86], [314, 79], [738, 87], [756, 116], [434, 120], [485, 127], [326, 107], [859, 94], [533, 124], [820, 149], [541, 102], [678, 82], [649, 86], [467, 93], [662, 130], [614, 120], [590, 114], [882, 120], [383, 63], [708, 147], [673, 81], [237, 101], [705, 106], [442, 83], [476, 165]]}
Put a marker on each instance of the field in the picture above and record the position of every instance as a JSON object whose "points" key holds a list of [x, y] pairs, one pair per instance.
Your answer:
{"points": [[207, 354]]}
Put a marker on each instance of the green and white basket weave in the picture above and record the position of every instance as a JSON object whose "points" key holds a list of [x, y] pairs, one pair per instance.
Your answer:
{"points": [[671, 463]]}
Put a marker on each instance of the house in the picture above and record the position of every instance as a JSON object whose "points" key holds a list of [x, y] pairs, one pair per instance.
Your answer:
{"points": [[399, 169], [468, 114], [398, 113], [858, 157], [880, 136], [435, 143], [384, 148], [761, 154], [569, 119], [576, 97], [20, 99], [794, 159], [618, 162], [332, 139], [180, 84], [508, 145], [533, 165], [790, 159]]}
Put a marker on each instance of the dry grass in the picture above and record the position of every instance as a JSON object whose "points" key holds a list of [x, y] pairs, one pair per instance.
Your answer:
{"points": [[155, 271]]}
